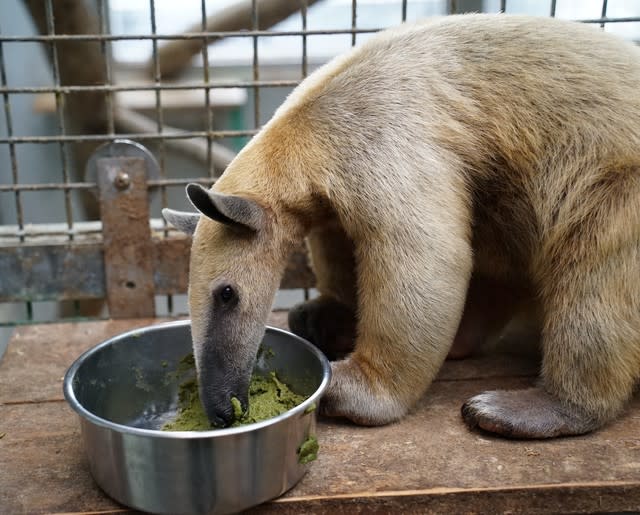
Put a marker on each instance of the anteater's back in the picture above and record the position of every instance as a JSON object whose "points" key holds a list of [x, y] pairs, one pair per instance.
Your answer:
{"points": [[486, 85], [525, 109]]}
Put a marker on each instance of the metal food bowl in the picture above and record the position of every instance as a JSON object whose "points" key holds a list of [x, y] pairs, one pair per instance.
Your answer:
{"points": [[123, 392]]}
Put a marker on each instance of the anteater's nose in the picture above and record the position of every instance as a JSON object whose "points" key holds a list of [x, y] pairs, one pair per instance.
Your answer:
{"points": [[220, 414], [217, 405], [219, 419], [217, 388]]}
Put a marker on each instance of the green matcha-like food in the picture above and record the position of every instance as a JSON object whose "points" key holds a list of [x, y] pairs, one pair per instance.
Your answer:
{"points": [[237, 408], [308, 451], [268, 398]]}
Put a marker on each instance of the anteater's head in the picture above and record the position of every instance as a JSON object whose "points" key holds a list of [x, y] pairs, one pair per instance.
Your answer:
{"points": [[237, 259]]}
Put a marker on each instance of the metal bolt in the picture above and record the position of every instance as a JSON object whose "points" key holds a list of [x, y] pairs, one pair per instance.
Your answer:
{"points": [[122, 181]]}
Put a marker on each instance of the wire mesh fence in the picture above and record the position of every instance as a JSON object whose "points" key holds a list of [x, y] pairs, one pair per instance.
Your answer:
{"points": [[193, 109]]}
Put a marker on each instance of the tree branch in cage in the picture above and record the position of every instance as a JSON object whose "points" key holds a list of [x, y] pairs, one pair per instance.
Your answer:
{"points": [[76, 63], [85, 63], [127, 120], [175, 56]]}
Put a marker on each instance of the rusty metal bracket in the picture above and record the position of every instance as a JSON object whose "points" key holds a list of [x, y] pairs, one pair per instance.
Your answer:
{"points": [[128, 249]]}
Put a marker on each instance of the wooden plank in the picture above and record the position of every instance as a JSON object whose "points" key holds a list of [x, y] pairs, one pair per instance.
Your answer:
{"points": [[38, 356], [414, 465], [75, 270], [171, 265], [611, 498], [43, 272], [44, 469], [428, 462], [431, 449]]}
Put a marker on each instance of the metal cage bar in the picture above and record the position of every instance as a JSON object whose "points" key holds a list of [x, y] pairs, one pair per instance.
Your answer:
{"points": [[304, 62], [354, 19], [157, 79], [98, 88], [243, 34], [12, 146], [207, 92], [60, 110], [256, 71], [105, 49], [138, 136], [191, 35], [603, 13]]}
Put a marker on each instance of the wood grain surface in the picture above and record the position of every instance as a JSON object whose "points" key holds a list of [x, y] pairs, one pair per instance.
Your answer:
{"points": [[427, 463]]}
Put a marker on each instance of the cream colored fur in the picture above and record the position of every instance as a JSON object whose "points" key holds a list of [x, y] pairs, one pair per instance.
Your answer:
{"points": [[501, 146]]}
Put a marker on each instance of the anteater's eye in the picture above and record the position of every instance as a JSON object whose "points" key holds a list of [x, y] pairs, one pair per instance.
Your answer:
{"points": [[226, 294]]}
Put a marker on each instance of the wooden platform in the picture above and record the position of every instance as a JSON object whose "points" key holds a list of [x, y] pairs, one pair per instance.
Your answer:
{"points": [[429, 462]]}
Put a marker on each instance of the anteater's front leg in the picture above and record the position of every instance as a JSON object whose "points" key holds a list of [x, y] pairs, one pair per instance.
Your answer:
{"points": [[411, 298], [329, 321]]}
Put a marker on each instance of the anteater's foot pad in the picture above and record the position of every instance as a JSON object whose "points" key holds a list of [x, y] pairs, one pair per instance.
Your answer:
{"points": [[531, 413]]}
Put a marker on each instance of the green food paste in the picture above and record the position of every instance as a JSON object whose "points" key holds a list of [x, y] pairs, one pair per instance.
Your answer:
{"points": [[237, 408], [308, 451], [268, 398]]}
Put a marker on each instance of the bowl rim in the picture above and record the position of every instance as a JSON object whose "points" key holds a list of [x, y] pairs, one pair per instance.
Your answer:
{"points": [[87, 415]]}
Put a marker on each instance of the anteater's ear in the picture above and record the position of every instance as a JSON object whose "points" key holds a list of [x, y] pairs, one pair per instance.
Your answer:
{"points": [[181, 220], [228, 209]]}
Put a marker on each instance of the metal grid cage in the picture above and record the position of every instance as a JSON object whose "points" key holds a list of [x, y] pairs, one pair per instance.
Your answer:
{"points": [[53, 237]]}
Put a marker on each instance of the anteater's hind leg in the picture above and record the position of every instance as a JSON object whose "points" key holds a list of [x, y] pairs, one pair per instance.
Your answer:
{"points": [[590, 293], [591, 346]]}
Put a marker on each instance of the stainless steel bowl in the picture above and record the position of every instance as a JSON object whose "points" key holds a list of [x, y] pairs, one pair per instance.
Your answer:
{"points": [[123, 392]]}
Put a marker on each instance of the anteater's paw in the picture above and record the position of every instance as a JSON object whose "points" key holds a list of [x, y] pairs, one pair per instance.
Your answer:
{"points": [[352, 395], [327, 323], [531, 413]]}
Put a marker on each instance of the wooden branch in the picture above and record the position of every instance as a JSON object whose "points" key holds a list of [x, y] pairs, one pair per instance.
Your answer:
{"points": [[176, 55], [128, 120], [80, 63], [52, 269]]}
